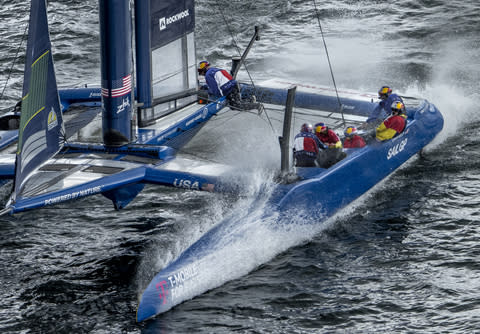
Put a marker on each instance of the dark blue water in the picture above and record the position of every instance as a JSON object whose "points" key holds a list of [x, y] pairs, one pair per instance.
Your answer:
{"points": [[402, 259]]}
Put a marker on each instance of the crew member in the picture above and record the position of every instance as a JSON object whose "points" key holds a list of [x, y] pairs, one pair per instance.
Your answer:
{"points": [[382, 110], [305, 147], [393, 125], [219, 82], [327, 136], [352, 139], [333, 152]]}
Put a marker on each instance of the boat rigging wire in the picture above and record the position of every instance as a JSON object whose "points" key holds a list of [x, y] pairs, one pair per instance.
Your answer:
{"points": [[14, 61], [235, 44], [328, 59]]}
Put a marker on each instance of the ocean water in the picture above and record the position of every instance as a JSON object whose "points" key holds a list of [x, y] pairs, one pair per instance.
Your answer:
{"points": [[404, 258]]}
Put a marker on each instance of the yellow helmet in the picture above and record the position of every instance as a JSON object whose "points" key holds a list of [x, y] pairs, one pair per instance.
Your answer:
{"points": [[319, 127], [398, 107], [202, 67], [350, 131], [384, 92]]}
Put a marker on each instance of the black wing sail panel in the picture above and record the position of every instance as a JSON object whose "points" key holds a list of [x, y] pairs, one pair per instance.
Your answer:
{"points": [[165, 51], [41, 124]]}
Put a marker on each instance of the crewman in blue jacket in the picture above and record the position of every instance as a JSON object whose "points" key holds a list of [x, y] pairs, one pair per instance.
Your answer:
{"points": [[383, 109], [219, 82]]}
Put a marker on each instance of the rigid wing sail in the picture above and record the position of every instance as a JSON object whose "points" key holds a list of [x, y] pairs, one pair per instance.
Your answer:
{"points": [[41, 128]]}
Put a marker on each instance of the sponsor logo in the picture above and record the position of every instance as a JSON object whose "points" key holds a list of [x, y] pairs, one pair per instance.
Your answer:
{"points": [[165, 21], [52, 120], [146, 134], [200, 116], [163, 24], [397, 148], [221, 105], [76, 194], [163, 291], [186, 184], [177, 282], [169, 135], [125, 104], [95, 94], [318, 88]]}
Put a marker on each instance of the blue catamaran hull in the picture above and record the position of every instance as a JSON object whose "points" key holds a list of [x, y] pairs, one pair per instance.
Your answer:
{"points": [[320, 192]]}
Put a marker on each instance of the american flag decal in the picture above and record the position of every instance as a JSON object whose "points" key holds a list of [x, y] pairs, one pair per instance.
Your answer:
{"points": [[208, 187], [119, 87]]}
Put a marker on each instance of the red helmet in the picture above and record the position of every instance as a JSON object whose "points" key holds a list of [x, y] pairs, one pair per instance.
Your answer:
{"points": [[384, 92], [306, 127]]}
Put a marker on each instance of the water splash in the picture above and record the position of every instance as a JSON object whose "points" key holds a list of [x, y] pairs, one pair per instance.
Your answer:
{"points": [[249, 235]]}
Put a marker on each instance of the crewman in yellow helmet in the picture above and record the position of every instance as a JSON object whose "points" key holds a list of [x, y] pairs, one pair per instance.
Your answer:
{"points": [[382, 110], [394, 124]]}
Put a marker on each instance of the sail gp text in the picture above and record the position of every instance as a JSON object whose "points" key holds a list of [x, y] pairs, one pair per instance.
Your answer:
{"points": [[397, 148]]}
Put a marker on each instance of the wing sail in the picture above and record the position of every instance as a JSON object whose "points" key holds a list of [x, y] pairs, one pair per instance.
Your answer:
{"points": [[41, 124], [165, 51]]}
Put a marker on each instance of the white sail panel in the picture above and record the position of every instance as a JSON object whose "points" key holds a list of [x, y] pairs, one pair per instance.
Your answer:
{"points": [[174, 73]]}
